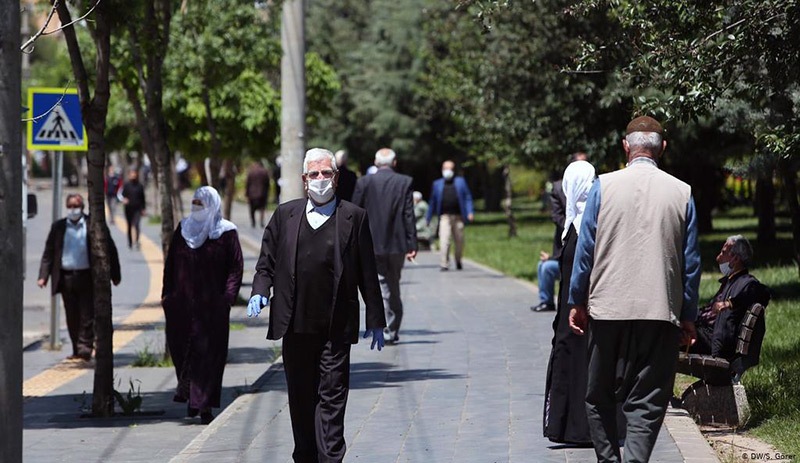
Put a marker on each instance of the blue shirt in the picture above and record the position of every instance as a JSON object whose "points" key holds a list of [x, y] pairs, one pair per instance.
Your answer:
{"points": [[75, 255], [584, 255]]}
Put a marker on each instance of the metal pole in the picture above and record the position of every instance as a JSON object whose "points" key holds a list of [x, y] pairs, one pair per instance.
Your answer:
{"points": [[57, 163], [293, 99]]}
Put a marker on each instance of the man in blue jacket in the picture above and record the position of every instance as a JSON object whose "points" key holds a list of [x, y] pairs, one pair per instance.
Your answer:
{"points": [[451, 201]]}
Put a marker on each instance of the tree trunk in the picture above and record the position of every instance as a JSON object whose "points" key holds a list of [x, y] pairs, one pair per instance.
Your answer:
{"points": [[765, 208], [94, 110], [216, 147], [11, 255], [507, 201], [789, 176], [230, 186]]}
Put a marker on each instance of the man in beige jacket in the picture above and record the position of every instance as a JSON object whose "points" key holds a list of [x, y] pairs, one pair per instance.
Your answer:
{"points": [[634, 289]]}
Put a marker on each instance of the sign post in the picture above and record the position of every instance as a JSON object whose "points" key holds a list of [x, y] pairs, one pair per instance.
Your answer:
{"points": [[56, 125]]}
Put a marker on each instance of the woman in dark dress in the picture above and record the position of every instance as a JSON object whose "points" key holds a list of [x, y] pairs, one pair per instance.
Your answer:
{"points": [[565, 391], [202, 276]]}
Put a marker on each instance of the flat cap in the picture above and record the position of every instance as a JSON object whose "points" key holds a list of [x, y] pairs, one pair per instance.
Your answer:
{"points": [[644, 124]]}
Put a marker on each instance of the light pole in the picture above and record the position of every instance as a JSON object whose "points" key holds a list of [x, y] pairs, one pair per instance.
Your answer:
{"points": [[293, 99]]}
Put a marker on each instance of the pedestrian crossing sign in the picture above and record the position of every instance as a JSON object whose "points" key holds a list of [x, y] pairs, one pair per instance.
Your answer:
{"points": [[55, 122]]}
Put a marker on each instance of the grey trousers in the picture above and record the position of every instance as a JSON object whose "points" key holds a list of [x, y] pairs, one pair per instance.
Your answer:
{"points": [[389, 268], [632, 362]]}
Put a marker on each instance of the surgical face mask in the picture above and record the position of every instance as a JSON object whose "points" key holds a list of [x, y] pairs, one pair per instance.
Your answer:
{"points": [[74, 213], [200, 213], [320, 190], [447, 174], [725, 268]]}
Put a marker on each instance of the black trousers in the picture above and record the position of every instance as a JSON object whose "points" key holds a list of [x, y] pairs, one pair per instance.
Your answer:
{"points": [[134, 217], [318, 381], [632, 362], [76, 292]]}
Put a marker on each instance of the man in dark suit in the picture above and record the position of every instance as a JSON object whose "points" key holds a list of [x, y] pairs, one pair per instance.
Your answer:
{"points": [[389, 200], [68, 259], [346, 183], [315, 255]]}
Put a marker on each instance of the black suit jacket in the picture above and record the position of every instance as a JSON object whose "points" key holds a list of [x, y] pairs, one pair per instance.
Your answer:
{"points": [[54, 247], [354, 269], [346, 184], [388, 198]]}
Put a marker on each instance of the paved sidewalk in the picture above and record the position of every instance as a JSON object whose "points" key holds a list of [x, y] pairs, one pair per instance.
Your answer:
{"points": [[465, 383]]}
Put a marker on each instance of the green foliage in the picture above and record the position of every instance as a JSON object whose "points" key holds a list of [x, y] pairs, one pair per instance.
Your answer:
{"points": [[498, 69], [217, 68], [698, 54], [374, 47], [132, 401], [146, 358]]}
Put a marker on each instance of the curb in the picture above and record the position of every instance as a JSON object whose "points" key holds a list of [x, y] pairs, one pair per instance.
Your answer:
{"points": [[241, 402]]}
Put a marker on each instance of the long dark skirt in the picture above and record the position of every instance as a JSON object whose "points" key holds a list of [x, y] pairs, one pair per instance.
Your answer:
{"points": [[565, 391]]}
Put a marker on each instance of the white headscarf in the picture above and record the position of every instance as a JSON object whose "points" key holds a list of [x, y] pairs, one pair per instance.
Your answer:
{"points": [[578, 179], [206, 222]]}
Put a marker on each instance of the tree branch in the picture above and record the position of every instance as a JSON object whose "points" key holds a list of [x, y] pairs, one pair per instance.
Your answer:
{"points": [[42, 31], [36, 118], [33, 38]]}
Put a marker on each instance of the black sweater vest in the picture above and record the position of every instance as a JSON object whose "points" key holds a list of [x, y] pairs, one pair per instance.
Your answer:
{"points": [[315, 257]]}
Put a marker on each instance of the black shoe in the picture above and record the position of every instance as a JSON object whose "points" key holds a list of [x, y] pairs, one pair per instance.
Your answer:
{"points": [[544, 307], [206, 418], [458, 266], [443, 269], [191, 412]]}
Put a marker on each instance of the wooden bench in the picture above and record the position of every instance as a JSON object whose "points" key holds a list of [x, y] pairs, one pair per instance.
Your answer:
{"points": [[719, 397]]}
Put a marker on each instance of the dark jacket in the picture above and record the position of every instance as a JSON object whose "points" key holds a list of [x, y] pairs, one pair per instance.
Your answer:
{"points": [[257, 184], [464, 198], [389, 200], [743, 290], [134, 192], [346, 184], [558, 212], [54, 247], [354, 269]]}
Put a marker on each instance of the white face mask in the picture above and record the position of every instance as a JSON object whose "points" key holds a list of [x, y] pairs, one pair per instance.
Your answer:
{"points": [[447, 174], [725, 268], [74, 213], [200, 213], [320, 190]]}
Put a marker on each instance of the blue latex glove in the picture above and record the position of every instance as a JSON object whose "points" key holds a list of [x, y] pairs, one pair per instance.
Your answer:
{"points": [[377, 337], [256, 303]]}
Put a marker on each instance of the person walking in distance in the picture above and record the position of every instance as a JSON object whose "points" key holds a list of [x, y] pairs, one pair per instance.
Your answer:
{"points": [[316, 254], [257, 191], [388, 198], [634, 287], [347, 178], [451, 201], [113, 186], [135, 204], [202, 277], [68, 259]]}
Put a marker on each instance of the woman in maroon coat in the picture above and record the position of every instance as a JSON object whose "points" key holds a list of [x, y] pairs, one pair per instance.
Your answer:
{"points": [[202, 276]]}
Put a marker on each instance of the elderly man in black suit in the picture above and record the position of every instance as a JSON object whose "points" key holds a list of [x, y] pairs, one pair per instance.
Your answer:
{"points": [[68, 259], [389, 200], [315, 255]]}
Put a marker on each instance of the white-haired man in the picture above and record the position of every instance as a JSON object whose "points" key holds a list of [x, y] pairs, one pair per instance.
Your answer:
{"points": [[388, 198], [315, 255], [634, 282]]}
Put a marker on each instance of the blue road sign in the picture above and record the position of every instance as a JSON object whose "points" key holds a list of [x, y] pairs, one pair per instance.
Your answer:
{"points": [[57, 124]]}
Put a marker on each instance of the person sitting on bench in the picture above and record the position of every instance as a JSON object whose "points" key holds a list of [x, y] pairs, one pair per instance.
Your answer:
{"points": [[718, 322]]}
